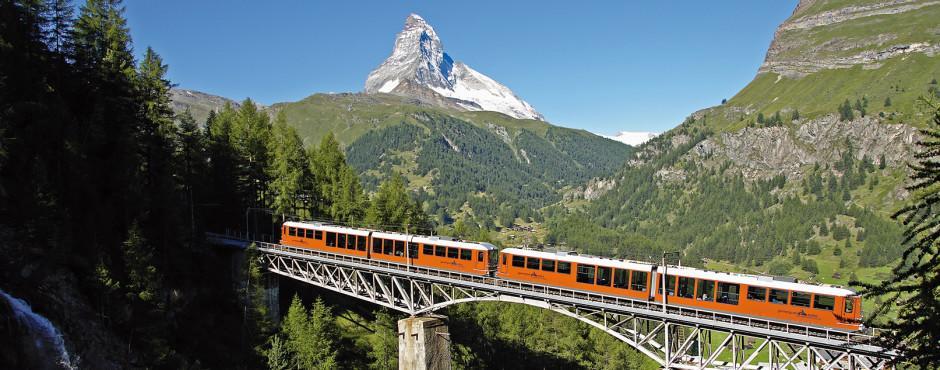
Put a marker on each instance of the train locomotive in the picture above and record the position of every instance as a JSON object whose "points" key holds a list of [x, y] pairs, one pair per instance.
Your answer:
{"points": [[761, 297]]}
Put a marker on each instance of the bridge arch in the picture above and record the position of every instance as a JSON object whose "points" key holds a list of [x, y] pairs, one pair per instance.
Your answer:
{"points": [[548, 306], [643, 325]]}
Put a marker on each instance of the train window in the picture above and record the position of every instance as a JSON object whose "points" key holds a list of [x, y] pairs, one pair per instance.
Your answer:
{"points": [[318, 235], [330, 239], [387, 246], [428, 250], [309, 234], [849, 304], [412, 250], [548, 265], [799, 299], [755, 293], [728, 293], [399, 248], [621, 279], [638, 281], [603, 276], [532, 263], [824, 302], [518, 261], [479, 256], [361, 243], [686, 287], [564, 267], [670, 285], [706, 290], [376, 245], [440, 251], [292, 231], [778, 296], [453, 252], [504, 260], [585, 274], [341, 240], [466, 254]]}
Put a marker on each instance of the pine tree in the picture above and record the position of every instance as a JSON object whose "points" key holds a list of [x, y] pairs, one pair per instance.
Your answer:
{"points": [[887, 102], [913, 288], [278, 354], [384, 342], [310, 335], [289, 170]]}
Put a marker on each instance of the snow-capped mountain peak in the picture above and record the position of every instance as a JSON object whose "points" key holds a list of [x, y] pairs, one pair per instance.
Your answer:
{"points": [[633, 138], [419, 67]]}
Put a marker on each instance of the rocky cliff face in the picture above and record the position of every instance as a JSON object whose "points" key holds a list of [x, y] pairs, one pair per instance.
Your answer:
{"points": [[816, 38], [419, 68]]}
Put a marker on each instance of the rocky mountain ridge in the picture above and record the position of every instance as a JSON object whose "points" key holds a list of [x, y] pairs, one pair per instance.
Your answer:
{"points": [[798, 50], [418, 67]]}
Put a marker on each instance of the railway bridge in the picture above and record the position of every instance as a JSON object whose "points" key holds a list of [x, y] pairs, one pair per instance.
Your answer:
{"points": [[673, 336]]}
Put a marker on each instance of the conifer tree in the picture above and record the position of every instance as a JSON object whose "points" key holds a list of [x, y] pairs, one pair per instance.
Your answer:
{"points": [[289, 171], [914, 290], [384, 341]]}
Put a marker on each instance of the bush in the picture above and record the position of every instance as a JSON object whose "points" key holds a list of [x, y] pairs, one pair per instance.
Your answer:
{"points": [[809, 265], [779, 268]]}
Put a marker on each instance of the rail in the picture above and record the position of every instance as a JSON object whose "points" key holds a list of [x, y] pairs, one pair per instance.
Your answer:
{"points": [[695, 315]]}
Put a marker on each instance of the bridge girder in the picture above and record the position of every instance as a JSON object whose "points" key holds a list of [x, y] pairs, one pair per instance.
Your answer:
{"points": [[688, 343]]}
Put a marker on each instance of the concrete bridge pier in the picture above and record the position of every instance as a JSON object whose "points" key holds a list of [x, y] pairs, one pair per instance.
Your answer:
{"points": [[423, 343]]}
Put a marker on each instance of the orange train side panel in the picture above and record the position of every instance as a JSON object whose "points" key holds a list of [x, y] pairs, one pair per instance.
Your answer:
{"points": [[768, 310], [320, 244], [569, 280]]}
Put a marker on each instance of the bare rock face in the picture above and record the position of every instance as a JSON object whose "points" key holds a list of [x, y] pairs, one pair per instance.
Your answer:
{"points": [[794, 53], [419, 68], [771, 151]]}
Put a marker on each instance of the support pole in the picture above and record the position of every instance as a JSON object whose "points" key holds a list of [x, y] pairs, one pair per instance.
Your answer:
{"points": [[423, 344]]}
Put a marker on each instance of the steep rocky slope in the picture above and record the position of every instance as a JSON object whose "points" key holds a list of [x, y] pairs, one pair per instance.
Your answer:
{"points": [[818, 142]]}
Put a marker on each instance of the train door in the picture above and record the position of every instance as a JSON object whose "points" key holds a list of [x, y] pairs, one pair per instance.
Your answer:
{"points": [[411, 252]]}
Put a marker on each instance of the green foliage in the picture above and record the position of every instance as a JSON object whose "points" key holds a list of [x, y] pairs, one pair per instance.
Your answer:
{"points": [[809, 265], [384, 344], [781, 268], [913, 288], [310, 335], [845, 111], [887, 102], [342, 198], [510, 336], [278, 354], [290, 174], [393, 209]]}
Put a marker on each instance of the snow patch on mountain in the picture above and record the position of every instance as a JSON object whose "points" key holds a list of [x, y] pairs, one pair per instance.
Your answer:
{"points": [[633, 138], [419, 59]]}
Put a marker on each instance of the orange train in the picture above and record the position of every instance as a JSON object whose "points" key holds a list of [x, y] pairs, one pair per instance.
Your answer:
{"points": [[746, 295]]}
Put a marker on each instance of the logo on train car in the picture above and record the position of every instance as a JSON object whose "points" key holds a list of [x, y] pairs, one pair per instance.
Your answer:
{"points": [[801, 313]]}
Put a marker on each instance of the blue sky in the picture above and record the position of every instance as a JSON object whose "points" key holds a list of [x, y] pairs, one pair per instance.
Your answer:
{"points": [[600, 66]]}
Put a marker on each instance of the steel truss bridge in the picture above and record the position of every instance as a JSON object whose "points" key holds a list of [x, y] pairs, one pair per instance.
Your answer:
{"points": [[675, 337]]}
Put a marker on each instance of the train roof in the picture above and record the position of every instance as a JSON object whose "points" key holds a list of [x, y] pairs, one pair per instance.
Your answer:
{"points": [[757, 280], [329, 228], [447, 242], [576, 258]]}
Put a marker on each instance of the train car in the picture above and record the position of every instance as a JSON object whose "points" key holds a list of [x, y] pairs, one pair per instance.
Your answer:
{"points": [[763, 297], [327, 238], [569, 270], [476, 258], [405, 249]]}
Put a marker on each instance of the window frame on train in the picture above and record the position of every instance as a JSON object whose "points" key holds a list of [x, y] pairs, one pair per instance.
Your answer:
{"points": [[518, 261], [532, 263], [796, 294], [705, 290], [638, 280], [308, 233], [466, 254], [728, 297], [771, 296], [427, 249], [563, 265], [330, 239], [621, 279], [585, 273], [605, 273], [548, 264], [823, 306], [752, 293], [686, 287]]}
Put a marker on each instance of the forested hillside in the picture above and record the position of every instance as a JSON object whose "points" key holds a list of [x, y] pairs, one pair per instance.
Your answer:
{"points": [[462, 164], [798, 173], [105, 194]]}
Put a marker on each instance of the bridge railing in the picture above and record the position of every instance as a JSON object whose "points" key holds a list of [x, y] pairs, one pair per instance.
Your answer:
{"points": [[858, 337]]}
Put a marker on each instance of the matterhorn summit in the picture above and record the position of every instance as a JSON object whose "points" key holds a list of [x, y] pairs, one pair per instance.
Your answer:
{"points": [[419, 68]]}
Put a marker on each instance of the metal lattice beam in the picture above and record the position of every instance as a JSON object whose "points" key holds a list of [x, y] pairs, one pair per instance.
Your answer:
{"points": [[677, 337]]}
